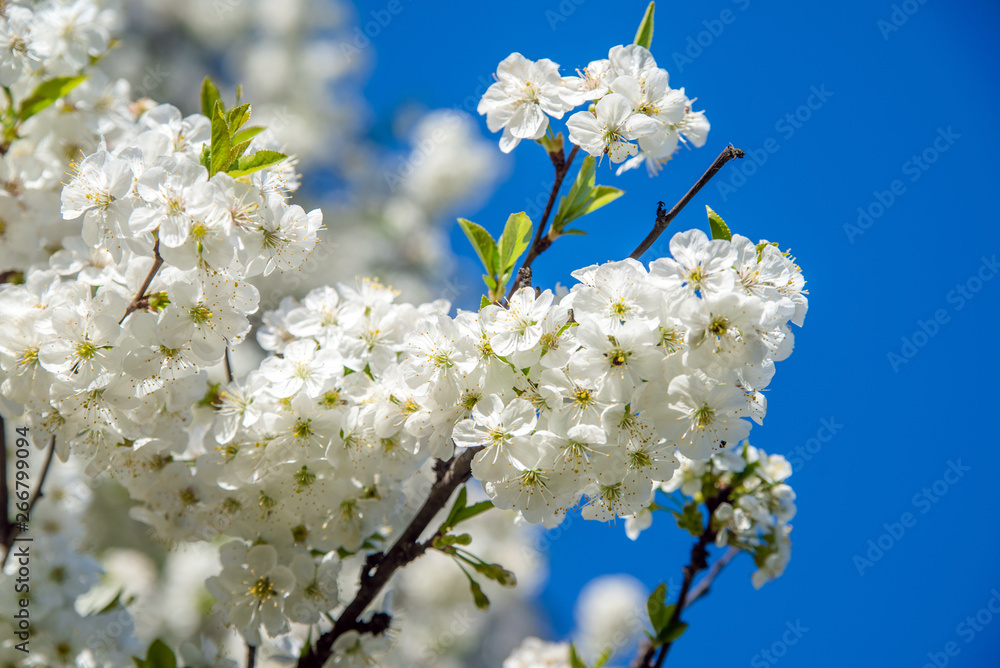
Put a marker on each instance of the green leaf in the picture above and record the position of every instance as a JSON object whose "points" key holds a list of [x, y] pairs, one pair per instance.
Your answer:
{"points": [[220, 141], [574, 659], [237, 150], [583, 198], [719, 228], [459, 504], [249, 164], [238, 116], [160, 656], [483, 244], [644, 35], [46, 94], [574, 232], [484, 302], [209, 97], [246, 134], [514, 240], [656, 606], [675, 631], [600, 196], [577, 195], [469, 512]]}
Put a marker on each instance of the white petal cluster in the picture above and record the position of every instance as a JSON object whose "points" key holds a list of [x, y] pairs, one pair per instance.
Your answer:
{"points": [[634, 116], [759, 508], [53, 578], [43, 42]]}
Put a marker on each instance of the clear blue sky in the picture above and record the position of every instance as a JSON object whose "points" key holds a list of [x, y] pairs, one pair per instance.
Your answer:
{"points": [[895, 94]]}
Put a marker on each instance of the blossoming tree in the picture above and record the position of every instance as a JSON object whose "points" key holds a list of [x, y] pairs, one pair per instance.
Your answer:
{"points": [[374, 431]]}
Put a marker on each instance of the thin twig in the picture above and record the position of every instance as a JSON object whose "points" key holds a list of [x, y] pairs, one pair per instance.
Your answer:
{"points": [[251, 656], [698, 563], [542, 241], [229, 368], [404, 550], [137, 301], [664, 217], [13, 533], [706, 582]]}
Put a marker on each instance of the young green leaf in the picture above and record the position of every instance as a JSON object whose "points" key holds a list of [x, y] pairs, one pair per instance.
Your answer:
{"points": [[209, 96], [237, 150], [46, 94], [459, 504], [160, 655], [671, 633], [246, 134], [483, 244], [574, 659], [468, 512], [577, 196], [583, 198], [644, 36], [249, 164], [719, 228], [656, 606], [237, 117], [484, 302], [220, 141], [514, 240]]}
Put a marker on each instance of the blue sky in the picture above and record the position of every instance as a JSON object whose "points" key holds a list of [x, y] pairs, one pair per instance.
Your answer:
{"points": [[904, 128]]}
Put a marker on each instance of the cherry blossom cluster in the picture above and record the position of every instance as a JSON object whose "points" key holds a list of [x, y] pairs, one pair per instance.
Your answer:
{"points": [[634, 116], [759, 506], [50, 43], [55, 575]]}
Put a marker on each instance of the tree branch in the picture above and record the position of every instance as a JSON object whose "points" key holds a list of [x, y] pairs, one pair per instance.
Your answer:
{"points": [[698, 563], [15, 530], [138, 301], [542, 241], [406, 549], [702, 587], [664, 217]]}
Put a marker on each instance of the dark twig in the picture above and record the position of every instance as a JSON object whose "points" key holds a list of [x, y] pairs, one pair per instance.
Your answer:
{"points": [[404, 550], [229, 368], [140, 297], [542, 241], [37, 494], [664, 217], [251, 656], [698, 563], [702, 587]]}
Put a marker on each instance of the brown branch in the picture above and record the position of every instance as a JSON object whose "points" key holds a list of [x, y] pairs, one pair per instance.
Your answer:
{"points": [[229, 368], [664, 217], [251, 656], [15, 530], [378, 571], [542, 241], [698, 563], [702, 587], [140, 299]]}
